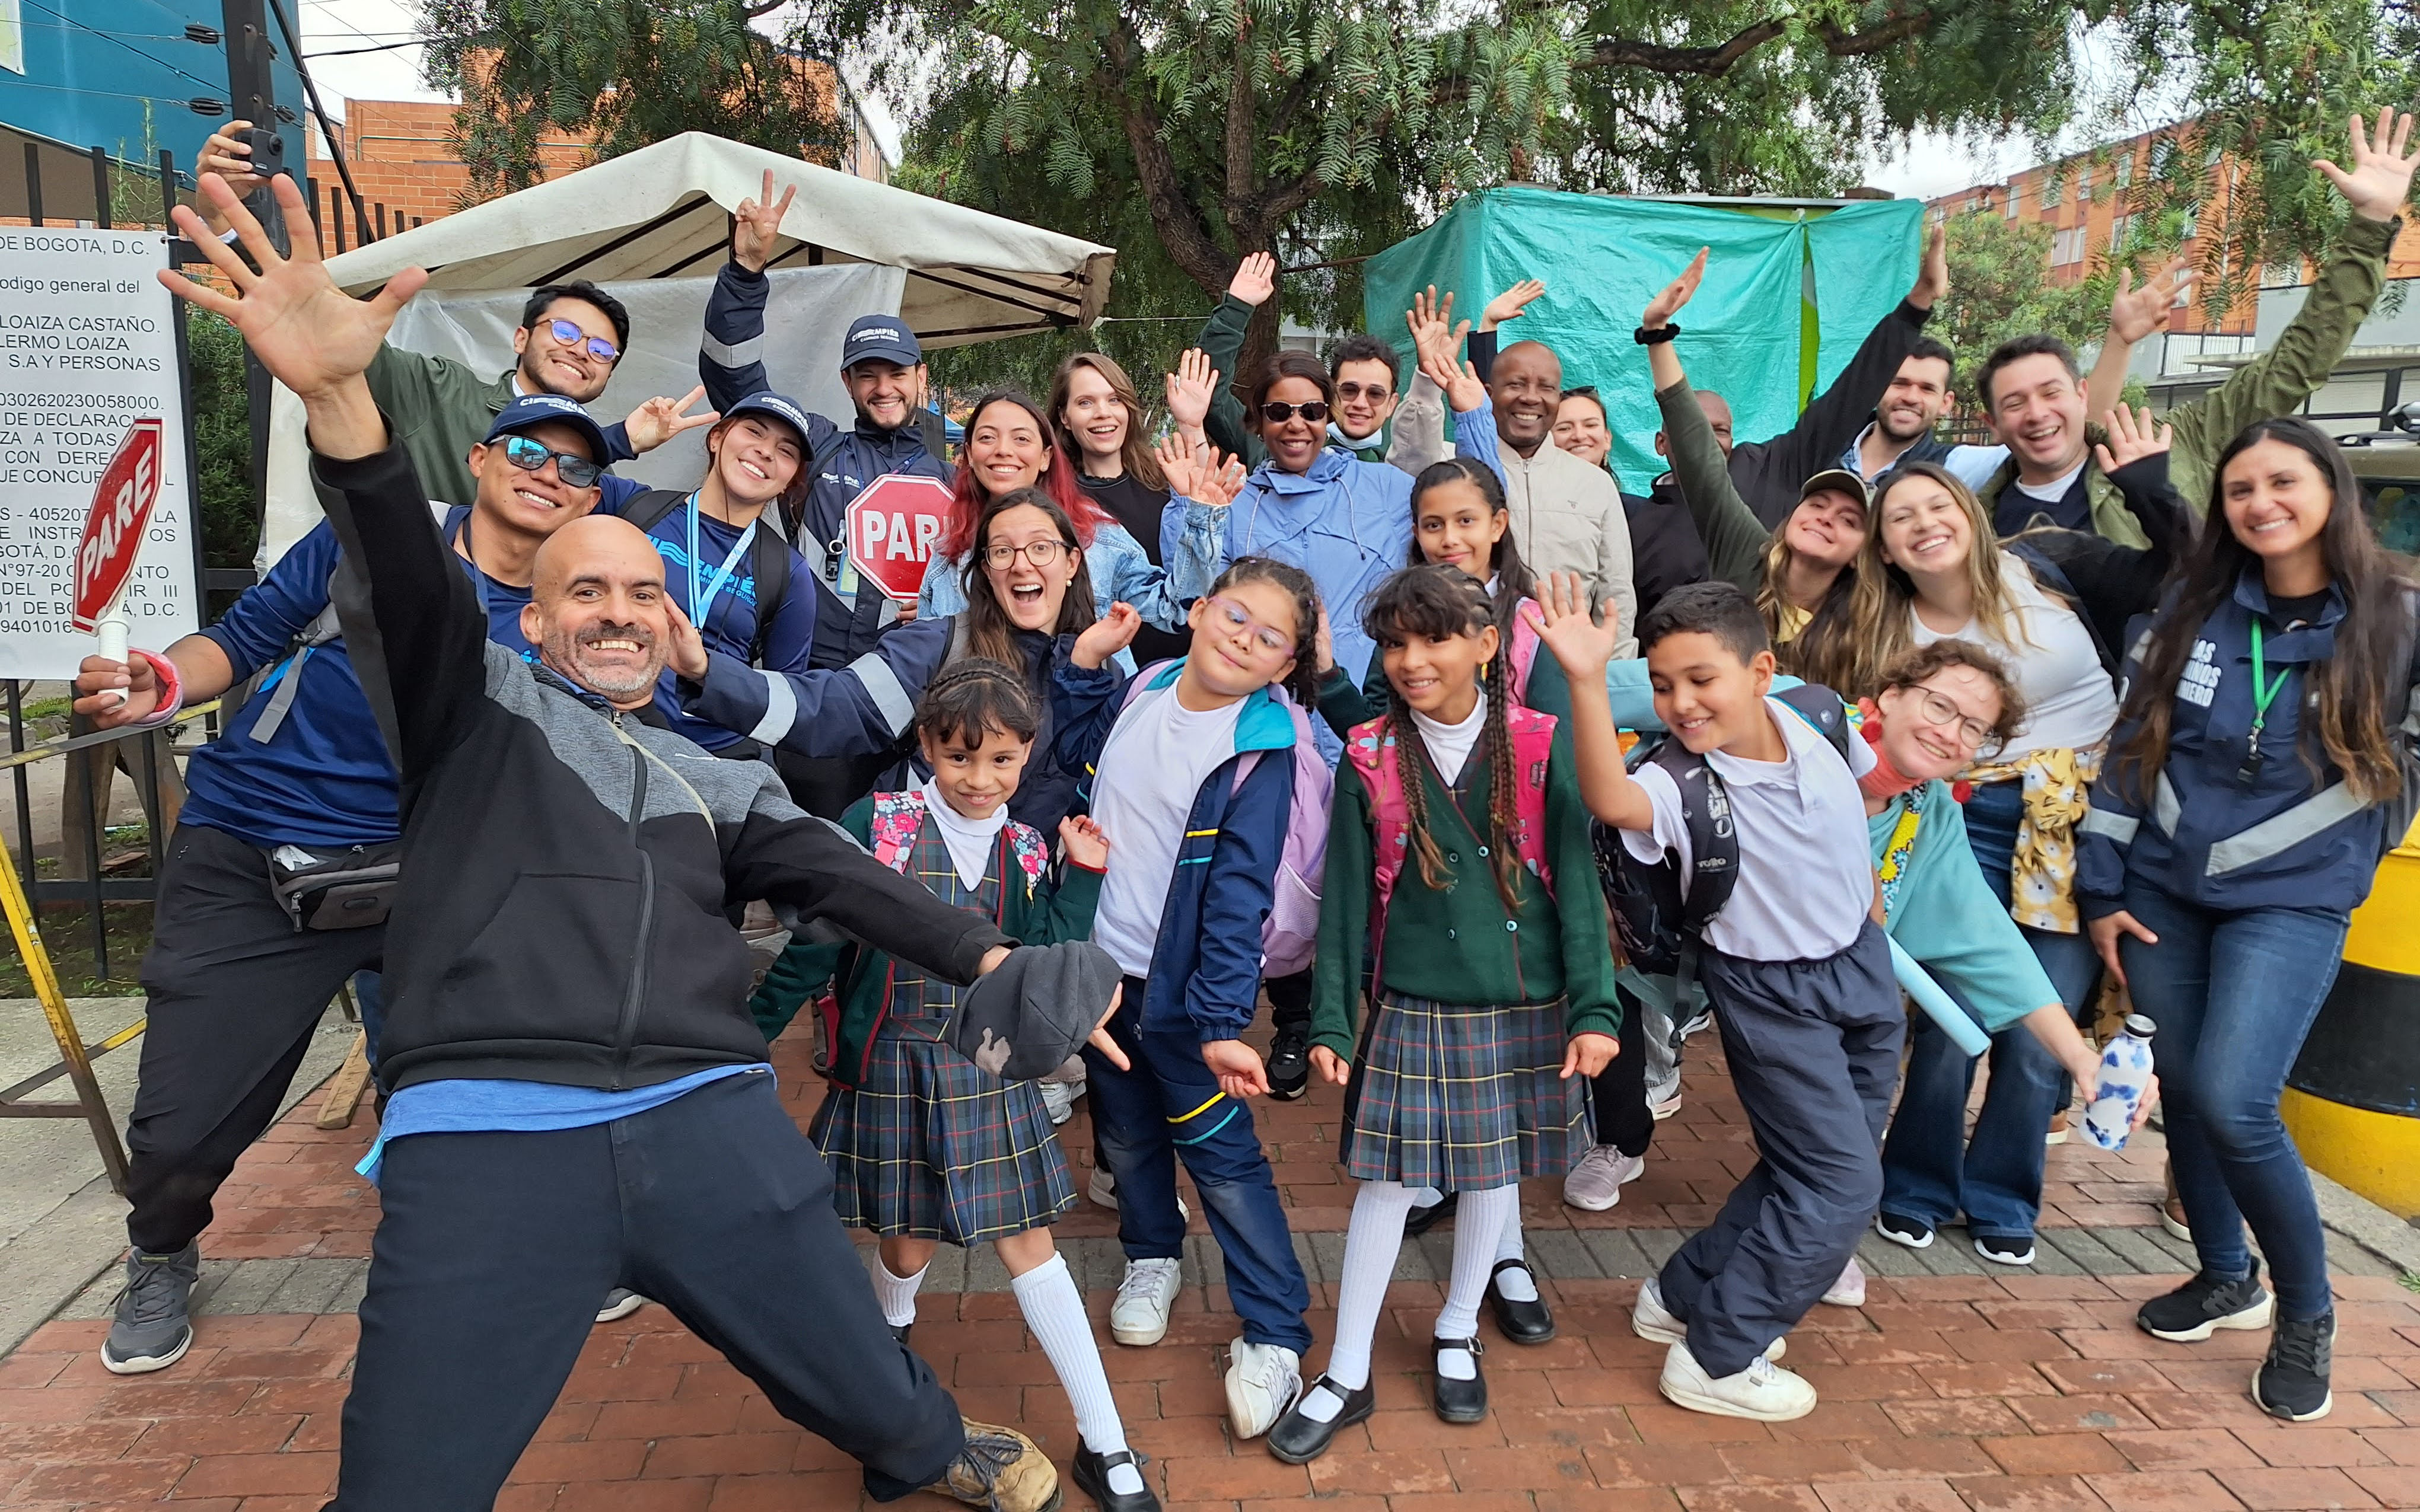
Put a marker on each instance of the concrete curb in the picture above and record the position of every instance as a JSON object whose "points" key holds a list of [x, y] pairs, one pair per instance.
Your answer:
{"points": [[2356, 1218]]}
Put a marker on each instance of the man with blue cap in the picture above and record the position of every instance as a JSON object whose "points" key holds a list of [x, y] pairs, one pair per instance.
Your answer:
{"points": [[278, 873]]}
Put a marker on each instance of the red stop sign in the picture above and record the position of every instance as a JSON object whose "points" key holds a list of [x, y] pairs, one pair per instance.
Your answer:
{"points": [[113, 531], [892, 527]]}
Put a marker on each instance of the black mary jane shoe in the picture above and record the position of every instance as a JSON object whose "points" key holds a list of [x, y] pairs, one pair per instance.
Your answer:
{"points": [[1091, 1472], [1460, 1401], [1520, 1322], [1299, 1439], [1420, 1220]]}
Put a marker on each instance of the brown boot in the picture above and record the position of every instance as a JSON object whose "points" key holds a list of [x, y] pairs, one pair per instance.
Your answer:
{"points": [[1001, 1470]]}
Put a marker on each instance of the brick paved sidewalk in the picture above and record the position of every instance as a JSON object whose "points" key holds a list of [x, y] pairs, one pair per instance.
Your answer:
{"points": [[1951, 1389]]}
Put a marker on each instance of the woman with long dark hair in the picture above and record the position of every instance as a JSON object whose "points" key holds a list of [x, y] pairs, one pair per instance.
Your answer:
{"points": [[1100, 422], [2237, 823]]}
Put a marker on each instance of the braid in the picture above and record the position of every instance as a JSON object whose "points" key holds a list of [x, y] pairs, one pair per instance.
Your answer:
{"points": [[1409, 756], [1503, 787], [974, 696]]}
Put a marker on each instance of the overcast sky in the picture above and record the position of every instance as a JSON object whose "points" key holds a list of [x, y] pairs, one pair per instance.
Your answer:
{"points": [[334, 30]]}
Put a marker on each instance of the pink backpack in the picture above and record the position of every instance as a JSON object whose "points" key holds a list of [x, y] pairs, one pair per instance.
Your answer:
{"points": [[1372, 751], [897, 816], [1290, 935]]}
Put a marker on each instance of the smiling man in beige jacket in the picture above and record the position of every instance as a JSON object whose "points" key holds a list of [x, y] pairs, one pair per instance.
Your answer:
{"points": [[1566, 514]]}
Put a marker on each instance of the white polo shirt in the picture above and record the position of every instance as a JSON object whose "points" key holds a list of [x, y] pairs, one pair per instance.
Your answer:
{"points": [[1806, 874]]}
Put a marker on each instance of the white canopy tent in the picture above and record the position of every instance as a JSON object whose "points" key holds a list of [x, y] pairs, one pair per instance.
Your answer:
{"points": [[653, 227]]}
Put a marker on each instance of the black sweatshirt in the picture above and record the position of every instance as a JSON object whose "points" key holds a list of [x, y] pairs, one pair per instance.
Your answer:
{"points": [[563, 914]]}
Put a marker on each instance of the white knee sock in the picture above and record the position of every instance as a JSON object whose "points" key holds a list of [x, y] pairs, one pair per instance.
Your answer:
{"points": [[1054, 1310], [1372, 1242], [1516, 1286], [1476, 1224], [896, 1293], [1426, 1196]]}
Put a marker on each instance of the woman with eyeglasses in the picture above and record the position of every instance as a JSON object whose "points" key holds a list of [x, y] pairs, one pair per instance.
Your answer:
{"points": [[1009, 446], [2051, 605]]}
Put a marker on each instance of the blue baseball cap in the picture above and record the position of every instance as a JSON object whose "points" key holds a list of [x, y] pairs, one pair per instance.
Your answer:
{"points": [[883, 338], [538, 408], [782, 408]]}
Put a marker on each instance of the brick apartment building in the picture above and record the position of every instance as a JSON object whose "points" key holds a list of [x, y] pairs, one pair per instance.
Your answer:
{"points": [[403, 161]]}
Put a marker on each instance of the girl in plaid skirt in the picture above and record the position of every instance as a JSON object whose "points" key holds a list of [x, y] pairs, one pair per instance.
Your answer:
{"points": [[926, 1147], [1490, 997]]}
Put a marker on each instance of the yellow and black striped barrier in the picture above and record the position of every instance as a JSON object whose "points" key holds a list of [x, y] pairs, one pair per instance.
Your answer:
{"points": [[2352, 1101]]}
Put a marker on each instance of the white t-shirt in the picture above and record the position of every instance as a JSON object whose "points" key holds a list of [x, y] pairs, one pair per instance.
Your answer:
{"points": [[1150, 770], [2053, 491], [1806, 873], [2069, 700], [1449, 744]]}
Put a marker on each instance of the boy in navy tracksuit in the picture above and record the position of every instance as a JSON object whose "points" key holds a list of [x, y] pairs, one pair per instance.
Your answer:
{"points": [[1795, 965], [300, 773]]}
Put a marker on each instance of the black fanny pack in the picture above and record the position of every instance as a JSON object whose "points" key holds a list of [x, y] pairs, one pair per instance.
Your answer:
{"points": [[350, 889]]}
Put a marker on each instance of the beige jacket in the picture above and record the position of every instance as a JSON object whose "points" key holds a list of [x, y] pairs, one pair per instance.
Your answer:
{"points": [[1567, 517]]}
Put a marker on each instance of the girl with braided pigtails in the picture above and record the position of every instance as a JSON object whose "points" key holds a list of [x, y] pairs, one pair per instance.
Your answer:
{"points": [[1491, 994]]}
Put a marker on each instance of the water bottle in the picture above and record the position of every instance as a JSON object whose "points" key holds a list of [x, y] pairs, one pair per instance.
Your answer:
{"points": [[2125, 1073]]}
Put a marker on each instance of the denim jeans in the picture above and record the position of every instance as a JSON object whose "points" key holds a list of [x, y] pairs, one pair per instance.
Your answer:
{"points": [[2234, 995], [1169, 1108], [1997, 1181]]}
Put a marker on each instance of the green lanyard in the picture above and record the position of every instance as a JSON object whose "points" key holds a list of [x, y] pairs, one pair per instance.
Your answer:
{"points": [[2264, 693]]}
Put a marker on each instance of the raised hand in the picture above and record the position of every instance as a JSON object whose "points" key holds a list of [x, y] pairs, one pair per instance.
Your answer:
{"points": [[1084, 844], [311, 335], [1191, 389], [1326, 643], [1217, 477], [1429, 318], [1561, 614], [226, 155], [1456, 375], [1509, 304], [1105, 636], [756, 225], [2135, 313], [2382, 169], [115, 693], [686, 654], [660, 418], [1176, 460], [1255, 279], [1933, 274], [2130, 440], [1661, 309]]}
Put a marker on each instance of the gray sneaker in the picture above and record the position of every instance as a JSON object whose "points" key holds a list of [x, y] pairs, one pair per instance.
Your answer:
{"points": [[152, 1330]]}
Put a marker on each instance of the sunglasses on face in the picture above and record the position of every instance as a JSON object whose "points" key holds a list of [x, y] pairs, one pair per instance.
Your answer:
{"points": [[1231, 617], [1278, 414], [571, 335], [1042, 553], [531, 455]]}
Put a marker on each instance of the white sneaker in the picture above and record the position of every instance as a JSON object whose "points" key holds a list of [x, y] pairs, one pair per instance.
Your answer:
{"points": [[1654, 1321], [1850, 1290], [620, 1303], [1140, 1316], [1103, 1190], [1059, 1101], [1262, 1382], [1763, 1392], [1595, 1183], [1665, 1106]]}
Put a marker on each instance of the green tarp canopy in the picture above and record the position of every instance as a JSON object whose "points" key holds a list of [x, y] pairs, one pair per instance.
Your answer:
{"points": [[1789, 292]]}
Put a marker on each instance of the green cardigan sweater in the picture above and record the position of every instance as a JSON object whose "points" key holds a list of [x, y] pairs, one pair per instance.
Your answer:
{"points": [[1457, 944]]}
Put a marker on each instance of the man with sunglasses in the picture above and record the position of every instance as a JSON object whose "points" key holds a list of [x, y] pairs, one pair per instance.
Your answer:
{"points": [[292, 815]]}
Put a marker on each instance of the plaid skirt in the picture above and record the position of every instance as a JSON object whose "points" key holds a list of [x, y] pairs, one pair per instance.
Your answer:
{"points": [[1462, 1097], [933, 1147]]}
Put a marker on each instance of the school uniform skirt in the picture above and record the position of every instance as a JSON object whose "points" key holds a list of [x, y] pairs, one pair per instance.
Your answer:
{"points": [[1462, 1097], [933, 1147]]}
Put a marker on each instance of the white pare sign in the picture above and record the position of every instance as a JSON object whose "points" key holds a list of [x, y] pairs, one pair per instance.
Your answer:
{"points": [[87, 347]]}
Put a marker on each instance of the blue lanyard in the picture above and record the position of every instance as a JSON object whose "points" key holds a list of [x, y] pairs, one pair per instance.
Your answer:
{"points": [[699, 608]]}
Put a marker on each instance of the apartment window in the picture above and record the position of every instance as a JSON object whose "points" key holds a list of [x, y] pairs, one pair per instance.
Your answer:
{"points": [[2084, 185], [2010, 208], [2067, 247], [2049, 190], [2125, 167]]}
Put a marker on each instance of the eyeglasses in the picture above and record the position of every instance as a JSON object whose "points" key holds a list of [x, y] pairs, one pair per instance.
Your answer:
{"points": [[1232, 618], [571, 335], [1001, 556], [531, 455], [1278, 414], [1374, 393], [1938, 711]]}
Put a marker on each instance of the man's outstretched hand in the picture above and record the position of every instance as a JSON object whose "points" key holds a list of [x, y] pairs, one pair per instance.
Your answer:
{"points": [[2382, 168], [311, 335]]}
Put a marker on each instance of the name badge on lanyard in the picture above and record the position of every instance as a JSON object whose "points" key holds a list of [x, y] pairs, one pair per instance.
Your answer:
{"points": [[701, 605]]}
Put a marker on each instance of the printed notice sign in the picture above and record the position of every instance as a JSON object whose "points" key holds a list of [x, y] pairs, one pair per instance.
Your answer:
{"points": [[87, 378]]}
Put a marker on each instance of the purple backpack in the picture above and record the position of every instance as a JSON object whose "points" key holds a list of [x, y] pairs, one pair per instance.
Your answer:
{"points": [[1290, 935]]}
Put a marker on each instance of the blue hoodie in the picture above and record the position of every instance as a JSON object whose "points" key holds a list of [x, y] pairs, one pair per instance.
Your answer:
{"points": [[1205, 966]]}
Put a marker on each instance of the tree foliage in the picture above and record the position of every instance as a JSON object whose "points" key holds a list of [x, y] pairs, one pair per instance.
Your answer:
{"points": [[2000, 287]]}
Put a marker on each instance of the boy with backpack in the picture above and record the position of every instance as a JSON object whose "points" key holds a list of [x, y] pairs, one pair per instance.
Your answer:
{"points": [[1742, 859]]}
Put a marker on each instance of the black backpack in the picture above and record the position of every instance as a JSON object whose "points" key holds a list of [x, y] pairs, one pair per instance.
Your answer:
{"points": [[770, 558], [1660, 924]]}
